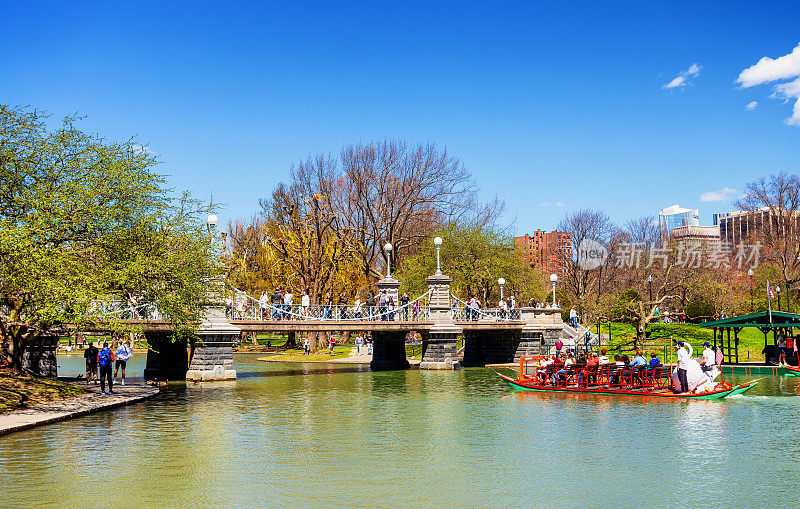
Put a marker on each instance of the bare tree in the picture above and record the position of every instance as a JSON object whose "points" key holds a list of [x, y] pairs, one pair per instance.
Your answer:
{"points": [[583, 226], [398, 193], [779, 196]]}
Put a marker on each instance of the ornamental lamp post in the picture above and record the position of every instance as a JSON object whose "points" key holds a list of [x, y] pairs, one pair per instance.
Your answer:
{"points": [[553, 279], [501, 282], [778, 289], [211, 223], [650, 287], [438, 243], [750, 273], [388, 249]]}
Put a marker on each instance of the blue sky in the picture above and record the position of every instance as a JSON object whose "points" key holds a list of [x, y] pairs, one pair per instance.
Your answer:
{"points": [[554, 107]]}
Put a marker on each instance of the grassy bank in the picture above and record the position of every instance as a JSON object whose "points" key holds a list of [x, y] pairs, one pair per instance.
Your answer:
{"points": [[296, 355], [21, 391]]}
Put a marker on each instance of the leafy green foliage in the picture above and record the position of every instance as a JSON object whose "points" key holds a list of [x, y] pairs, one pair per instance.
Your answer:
{"points": [[84, 222], [625, 303], [475, 258], [698, 309]]}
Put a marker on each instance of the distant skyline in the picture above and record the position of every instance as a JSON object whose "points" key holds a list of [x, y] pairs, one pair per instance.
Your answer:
{"points": [[623, 107]]}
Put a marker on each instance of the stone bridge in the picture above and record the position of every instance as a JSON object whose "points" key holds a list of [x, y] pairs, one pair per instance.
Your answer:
{"points": [[489, 336]]}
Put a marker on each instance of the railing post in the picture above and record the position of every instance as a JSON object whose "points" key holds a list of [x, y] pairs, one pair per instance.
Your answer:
{"points": [[441, 351], [391, 286]]}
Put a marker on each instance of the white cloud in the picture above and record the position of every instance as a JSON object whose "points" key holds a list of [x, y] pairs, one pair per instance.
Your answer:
{"points": [[768, 70], [551, 204], [723, 194], [751, 105], [682, 79]]}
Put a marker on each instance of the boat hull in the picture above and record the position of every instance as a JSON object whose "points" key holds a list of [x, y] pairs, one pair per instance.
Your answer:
{"points": [[517, 385], [789, 371]]}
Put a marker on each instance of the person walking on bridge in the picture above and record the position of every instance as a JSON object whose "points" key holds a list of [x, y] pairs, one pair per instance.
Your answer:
{"points": [[383, 305], [287, 304], [305, 304], [404, 305], [276, 300]]}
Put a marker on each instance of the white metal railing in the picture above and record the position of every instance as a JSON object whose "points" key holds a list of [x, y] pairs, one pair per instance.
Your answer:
{"points": [[463, 312], [245, 307], [117, 309]]}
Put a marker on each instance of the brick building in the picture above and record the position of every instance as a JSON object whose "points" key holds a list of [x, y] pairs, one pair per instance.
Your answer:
{"points": [[546, 251]]}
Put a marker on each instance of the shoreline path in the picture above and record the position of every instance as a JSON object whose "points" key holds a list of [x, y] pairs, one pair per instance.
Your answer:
{"points": [[92, 402]]}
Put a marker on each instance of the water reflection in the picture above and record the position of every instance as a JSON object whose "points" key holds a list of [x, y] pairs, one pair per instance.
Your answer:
{"points": [[344, 436]]}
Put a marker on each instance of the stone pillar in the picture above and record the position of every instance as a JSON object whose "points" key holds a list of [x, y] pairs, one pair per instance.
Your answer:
{"points": [[391, 285], [542, 327], [388, 351], [39, 356], [440, 346], [212, 358], [212, 355]]}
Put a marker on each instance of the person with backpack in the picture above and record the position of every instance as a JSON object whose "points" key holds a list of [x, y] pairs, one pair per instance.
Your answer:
{"points": [[105, 358], [124, 353]]}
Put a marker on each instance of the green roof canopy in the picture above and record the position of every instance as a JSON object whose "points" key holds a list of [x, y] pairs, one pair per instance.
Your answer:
{"points": [[760, 320]]}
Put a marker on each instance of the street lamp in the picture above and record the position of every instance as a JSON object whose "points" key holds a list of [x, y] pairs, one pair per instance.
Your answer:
{"points": [[650, 287], [438, 243], [211, 222], [750, 273], [388, 249], [778, 289], [553, 279], [501, 282]]}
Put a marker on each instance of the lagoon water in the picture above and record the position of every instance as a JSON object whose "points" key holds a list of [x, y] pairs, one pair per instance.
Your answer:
{"points": [[339, 436]]}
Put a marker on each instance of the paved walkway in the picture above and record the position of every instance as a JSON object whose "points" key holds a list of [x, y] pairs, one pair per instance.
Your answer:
{"points": [[74, 407]]}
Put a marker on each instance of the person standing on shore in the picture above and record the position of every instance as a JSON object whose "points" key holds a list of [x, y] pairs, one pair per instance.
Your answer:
{"points": [[124, 353], [105, 359], [332, 343], [90, 354]]}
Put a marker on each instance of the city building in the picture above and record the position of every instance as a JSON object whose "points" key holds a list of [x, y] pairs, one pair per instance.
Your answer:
{"points": [[719, 215], [704, 233], [743, 225], [675, 216], [546, 251]]}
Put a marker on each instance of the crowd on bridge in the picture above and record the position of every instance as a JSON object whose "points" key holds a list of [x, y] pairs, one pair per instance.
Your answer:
{"points": [[280, 305]]}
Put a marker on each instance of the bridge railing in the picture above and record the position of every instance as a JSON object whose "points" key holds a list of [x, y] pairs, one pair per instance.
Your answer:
{"points": [[119, 310], [463, 312], [246, 307]]}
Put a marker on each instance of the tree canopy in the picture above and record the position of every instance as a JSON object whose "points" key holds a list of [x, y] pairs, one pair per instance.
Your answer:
{"points": [[85, 222]]}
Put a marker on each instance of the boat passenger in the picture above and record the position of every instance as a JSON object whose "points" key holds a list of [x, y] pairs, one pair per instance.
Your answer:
{"points": [[708, 360], [603, 358], [568, 361], [638, 359], [591, 368], [683, 363], [618, 360], [654, 360]]}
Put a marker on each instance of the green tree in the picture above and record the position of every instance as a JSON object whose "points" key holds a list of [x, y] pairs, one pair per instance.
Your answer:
{"points": [[84, 222], [475, 257]]}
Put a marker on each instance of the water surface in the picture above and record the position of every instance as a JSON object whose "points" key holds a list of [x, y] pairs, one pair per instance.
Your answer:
{"points": [[333, 435]]}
